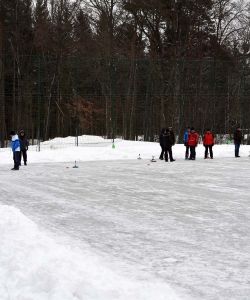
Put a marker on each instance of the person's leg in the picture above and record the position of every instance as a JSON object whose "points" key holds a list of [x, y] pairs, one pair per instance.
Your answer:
{"points": [[16, 160], [190, 156], [187, 152], [237, 148], [162, 153], [171, 154], [25, 156], [191, 152], [166, 154], [20, 157], [211, 152], [206, 152]]}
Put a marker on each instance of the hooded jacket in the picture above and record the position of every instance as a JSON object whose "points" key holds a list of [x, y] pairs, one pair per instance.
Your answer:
{"points": [[208, 139], [15, 143], [193, 139]]}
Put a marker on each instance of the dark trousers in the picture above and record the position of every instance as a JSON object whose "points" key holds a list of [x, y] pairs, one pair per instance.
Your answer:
{"points": [[210, 148], [16, 158], [162, 152], [23, 153], [187, 151], [168, 152], [237, 149], [192, 152]]}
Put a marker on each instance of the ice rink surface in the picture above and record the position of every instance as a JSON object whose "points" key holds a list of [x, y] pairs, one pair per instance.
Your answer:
{"points": [[126, 229]]}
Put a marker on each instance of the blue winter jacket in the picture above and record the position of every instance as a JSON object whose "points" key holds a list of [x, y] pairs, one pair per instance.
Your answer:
{"points": [[185, 139], [15, 143]]}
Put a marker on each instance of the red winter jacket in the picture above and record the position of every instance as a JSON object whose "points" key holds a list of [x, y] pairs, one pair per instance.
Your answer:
{"points": [[208, 139], [193, 139]]}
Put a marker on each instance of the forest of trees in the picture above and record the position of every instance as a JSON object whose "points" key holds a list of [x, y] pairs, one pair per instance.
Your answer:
{"points": [[123, 67]]}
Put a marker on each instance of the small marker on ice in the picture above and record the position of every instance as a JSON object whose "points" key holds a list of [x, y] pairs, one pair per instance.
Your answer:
{"points": [[139, 157], [153, 159]]}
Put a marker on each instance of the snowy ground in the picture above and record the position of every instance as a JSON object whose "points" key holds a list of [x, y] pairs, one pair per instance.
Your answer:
{"points": [[122, 228]]}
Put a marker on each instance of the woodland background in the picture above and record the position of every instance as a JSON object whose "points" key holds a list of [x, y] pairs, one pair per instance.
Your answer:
{"points": [[123, 68]]}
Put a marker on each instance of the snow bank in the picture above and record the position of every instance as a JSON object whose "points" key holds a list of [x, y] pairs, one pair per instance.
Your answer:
{"points": [[35, 267], [94, 148], [84, 139]]}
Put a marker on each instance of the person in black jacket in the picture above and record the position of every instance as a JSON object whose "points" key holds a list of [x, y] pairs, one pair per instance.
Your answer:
{"points": [[172, 135], [173, 139], [166, 142], [237, 140], [24, 145]]}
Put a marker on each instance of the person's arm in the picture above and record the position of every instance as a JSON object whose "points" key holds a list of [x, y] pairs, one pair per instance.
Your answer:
{"points": [[185, 138], [197, 139], [235, 137]]}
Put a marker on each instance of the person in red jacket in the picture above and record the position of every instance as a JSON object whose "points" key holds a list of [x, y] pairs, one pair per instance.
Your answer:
{"points": [[193, 139], [208, 143]]}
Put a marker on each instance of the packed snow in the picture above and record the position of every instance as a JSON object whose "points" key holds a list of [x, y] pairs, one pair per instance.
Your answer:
{"points": [[121, 228]]}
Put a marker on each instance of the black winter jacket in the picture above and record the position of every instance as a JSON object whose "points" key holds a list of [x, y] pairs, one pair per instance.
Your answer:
{"points": [[24, 143], [237, 137], [166, 139]]}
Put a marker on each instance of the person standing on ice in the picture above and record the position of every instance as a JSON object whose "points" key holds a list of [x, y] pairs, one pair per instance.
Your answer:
{"points": [[15, 145], [193, 139], [24, 145], [172, 135], [161, 140], [167, 142], [185, 140], [173, 139], [208, 143], [237, 141]]}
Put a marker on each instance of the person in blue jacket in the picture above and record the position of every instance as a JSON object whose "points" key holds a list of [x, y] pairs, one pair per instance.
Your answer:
{"points": [[15, 145], [185, 140]]}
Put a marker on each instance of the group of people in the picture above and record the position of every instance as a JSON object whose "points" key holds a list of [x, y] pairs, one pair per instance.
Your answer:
{"points": [[191, 140], [19, 145]]}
